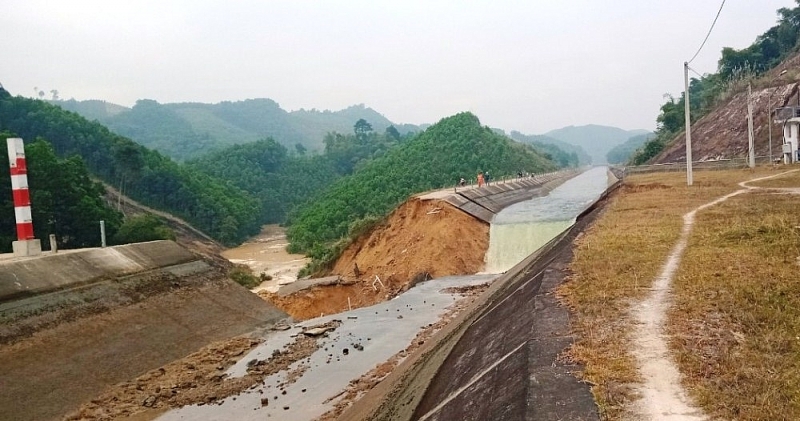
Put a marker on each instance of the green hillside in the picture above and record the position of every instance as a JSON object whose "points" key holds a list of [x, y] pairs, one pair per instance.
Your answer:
{"points": [[455, 147], [188, 130], [282, 180], [596, 140], [222, 210], [621, 154], [559, 150], [64, 200]]}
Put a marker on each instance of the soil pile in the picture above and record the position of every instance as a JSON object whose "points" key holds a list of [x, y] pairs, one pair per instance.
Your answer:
{"points": [[420, 240]]}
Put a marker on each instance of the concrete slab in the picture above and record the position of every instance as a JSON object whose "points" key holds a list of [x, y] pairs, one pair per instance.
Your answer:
{"points": [[302, 284]]}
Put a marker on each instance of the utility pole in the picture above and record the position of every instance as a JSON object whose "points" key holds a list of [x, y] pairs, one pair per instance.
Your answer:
{"points": [[751, 151], [688, 124], [769, 122]]}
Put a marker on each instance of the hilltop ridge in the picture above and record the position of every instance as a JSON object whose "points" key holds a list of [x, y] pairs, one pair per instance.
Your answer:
{"points": [[189, 129]]}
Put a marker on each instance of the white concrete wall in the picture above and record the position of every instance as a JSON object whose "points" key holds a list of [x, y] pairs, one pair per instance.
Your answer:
{"points": [[790, 134]]}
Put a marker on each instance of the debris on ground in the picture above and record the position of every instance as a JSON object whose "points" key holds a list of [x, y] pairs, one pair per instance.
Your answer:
{"points": [[200, 378]]}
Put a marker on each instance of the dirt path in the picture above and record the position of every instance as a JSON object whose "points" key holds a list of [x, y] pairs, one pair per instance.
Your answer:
{"points": [[661, 394], [266, 253]]}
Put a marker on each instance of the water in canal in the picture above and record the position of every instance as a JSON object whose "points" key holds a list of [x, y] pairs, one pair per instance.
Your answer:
{"points": [[389, 327], [520, 229]]}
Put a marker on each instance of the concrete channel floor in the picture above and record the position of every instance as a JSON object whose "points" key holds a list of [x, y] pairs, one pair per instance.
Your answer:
{"points": [[383, 330]]}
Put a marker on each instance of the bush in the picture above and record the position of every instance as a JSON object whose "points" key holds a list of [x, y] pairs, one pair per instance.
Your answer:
{"points": [[143, 228], [242, 275]]}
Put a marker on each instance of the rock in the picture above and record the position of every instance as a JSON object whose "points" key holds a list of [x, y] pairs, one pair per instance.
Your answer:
{"points": [[317, 331], [149, 402], [281, 326], [286, 408], [345, 351], [264, 401]]}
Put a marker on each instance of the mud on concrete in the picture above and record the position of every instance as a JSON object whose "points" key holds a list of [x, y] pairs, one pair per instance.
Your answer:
{"points": [[199, 379]]}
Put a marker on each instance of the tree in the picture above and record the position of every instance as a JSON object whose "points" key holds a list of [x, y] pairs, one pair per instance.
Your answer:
{"points": [[300, 148], [392, 132], [362, 129]]}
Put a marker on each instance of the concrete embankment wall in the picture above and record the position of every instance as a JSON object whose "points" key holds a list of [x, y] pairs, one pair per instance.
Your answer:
{"points": [[30, 276], [499, 358], [485, 202], [69, 335]]}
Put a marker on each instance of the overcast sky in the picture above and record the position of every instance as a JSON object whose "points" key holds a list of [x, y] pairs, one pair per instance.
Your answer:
{"points": [[531, 66]]}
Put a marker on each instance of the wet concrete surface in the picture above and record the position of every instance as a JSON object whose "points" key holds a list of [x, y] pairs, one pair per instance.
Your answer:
{"points": [[506, 365], [383, 330]]}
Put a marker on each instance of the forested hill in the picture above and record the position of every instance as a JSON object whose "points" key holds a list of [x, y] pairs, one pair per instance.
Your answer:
{"points": [[558, 149], [455, 147], [596, 140], [221, 210], [187, 130]]}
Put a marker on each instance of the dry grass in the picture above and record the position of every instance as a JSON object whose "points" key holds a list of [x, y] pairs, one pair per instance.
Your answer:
{"points": [[735, 322], [615, 263], [785, 181]]}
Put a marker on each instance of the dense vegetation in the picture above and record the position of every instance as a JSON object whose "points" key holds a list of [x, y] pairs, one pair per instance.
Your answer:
{"points": [[64, 200], [735, 67], [455, 147], [621, 154], [282, 179], [223, 211], [140, 228], [189, 130], [565, 154]]}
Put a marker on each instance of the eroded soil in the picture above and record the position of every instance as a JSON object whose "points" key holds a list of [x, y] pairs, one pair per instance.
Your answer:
{"points": [[420, 240]]}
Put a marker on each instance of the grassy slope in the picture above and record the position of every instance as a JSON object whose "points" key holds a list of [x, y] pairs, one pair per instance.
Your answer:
{"points": [[736, 318], [617, 260]]}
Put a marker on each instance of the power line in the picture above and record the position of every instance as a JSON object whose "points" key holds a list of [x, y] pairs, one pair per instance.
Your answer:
{"points": [[709, 32], [695, 72]]}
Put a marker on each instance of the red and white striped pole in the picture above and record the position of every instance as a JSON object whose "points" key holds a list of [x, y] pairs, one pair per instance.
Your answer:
{"points": [[19, 186], [26, 244]]}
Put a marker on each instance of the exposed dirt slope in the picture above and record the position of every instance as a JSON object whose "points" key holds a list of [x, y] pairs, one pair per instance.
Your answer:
{"points": [[722, 133], [420, 239]]}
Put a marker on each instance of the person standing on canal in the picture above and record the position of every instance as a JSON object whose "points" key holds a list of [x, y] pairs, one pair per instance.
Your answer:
{"points": [[480, 179]]}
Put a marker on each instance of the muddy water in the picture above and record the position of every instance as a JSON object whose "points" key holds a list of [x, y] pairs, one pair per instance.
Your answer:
{"points": [[266, 253], [522, 228]]}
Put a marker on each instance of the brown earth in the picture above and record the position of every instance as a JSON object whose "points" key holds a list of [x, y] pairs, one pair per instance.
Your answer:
{"points": [[421, 239], [198, 379], [722, 133]]}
